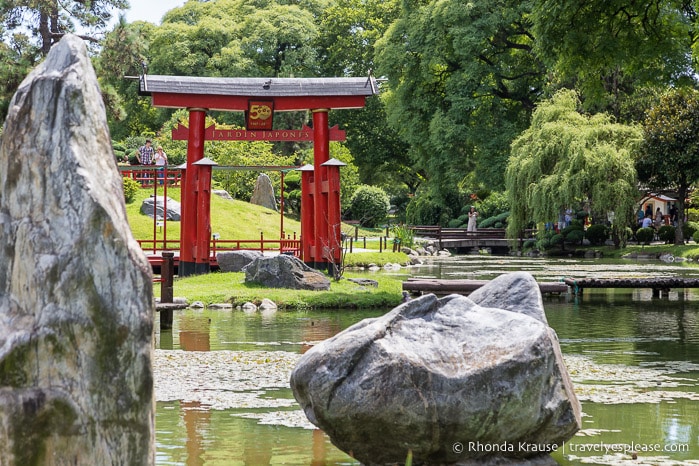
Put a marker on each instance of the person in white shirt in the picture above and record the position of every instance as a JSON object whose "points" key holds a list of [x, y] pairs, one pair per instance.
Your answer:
{"points": [[160, 160]]}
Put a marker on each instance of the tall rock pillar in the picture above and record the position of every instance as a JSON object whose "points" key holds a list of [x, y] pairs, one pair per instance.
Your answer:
{"points": [[76, 297]]}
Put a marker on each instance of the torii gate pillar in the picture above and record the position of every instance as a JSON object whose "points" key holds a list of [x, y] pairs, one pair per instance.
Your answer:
{"points": [[191, 193], [307, 220], [321, 154]]}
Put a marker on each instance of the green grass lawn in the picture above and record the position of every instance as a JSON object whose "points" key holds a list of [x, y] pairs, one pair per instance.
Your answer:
{"points": [[231, 219], [230, 287]]}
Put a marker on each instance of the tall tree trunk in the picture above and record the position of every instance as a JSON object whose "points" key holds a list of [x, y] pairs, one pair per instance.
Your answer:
{"points": [[45, 32], [682, 194], [48, 25]]}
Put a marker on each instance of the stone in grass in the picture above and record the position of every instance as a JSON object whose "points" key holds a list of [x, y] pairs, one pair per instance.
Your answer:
{"points": [[434, 373], [364, 282], [284, 271], [235, 261]]}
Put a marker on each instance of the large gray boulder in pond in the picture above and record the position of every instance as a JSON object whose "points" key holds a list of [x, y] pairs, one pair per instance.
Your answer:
{"points": [[76, 297], [235, 261], [284, 271], [453, 380]]}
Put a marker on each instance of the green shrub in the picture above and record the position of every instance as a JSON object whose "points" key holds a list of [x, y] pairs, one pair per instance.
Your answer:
{"points": [[645, 235], [695, 237], [529, 244], [496, 221], [666, 233], [575, 236], [454, 223], [557, 240], [503, 216], [597, 234], [572, 227], [131, 187], [688, 229], [543, 244], [369, 205], [487, 222]]}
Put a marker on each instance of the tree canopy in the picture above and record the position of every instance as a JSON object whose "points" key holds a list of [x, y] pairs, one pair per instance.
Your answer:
{"points": [[28, 29], [670, 151], [566, 159], [236, 38], [608, 48], [462, 81]]}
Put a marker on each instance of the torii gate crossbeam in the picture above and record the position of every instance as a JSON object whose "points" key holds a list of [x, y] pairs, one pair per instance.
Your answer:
{"points": [[321, 236]]}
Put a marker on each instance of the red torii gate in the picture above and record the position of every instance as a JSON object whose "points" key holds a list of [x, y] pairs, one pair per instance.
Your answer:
{"points": [[201, 94]]}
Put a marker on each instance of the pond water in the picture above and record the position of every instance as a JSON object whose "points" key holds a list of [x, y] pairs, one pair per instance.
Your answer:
{"points": [[222, 376]]}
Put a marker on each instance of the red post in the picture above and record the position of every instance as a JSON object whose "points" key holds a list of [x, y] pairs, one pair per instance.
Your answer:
{"points": [[308, 239], [281, 206], [155, 217], [334, 219], [203, 249], [165, 174], [321, 154], [188, 226]]}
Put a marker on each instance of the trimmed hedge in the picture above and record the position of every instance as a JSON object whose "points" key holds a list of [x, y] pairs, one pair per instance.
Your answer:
{"points": [[645, 235], [666, 233], [597, 234], [369, 205]]}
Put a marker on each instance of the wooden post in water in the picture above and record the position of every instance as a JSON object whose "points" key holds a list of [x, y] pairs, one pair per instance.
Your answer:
{"points": [[167, 272]]}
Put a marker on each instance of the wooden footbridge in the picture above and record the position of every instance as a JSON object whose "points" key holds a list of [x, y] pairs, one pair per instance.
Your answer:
{"points": [[461, 238], [661, 286]]}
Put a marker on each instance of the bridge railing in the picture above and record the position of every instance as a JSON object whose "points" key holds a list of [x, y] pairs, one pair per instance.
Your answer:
{"points": [[437, 232], [442, 233]]}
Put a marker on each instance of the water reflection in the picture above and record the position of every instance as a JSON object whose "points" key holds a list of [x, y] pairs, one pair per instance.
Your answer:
{"points": [[619, 327]]}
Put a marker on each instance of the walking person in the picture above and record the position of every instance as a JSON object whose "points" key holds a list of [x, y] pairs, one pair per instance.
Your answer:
{"points": [[472, 218]]}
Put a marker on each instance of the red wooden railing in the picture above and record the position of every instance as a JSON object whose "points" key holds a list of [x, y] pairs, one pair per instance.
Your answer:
{"points": [[154, 177], [289, 245], [146, 175]]}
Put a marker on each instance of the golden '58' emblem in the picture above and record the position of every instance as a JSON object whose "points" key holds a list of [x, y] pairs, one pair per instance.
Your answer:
{"points": [[259, 114]]}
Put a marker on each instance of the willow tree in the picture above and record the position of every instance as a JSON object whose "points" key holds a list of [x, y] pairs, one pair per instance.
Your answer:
{"points": [[566, 158]]}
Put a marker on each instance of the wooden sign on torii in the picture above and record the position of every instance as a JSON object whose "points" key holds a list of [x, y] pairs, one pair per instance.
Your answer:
{"points": [[211, 133], [320, 209]]}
